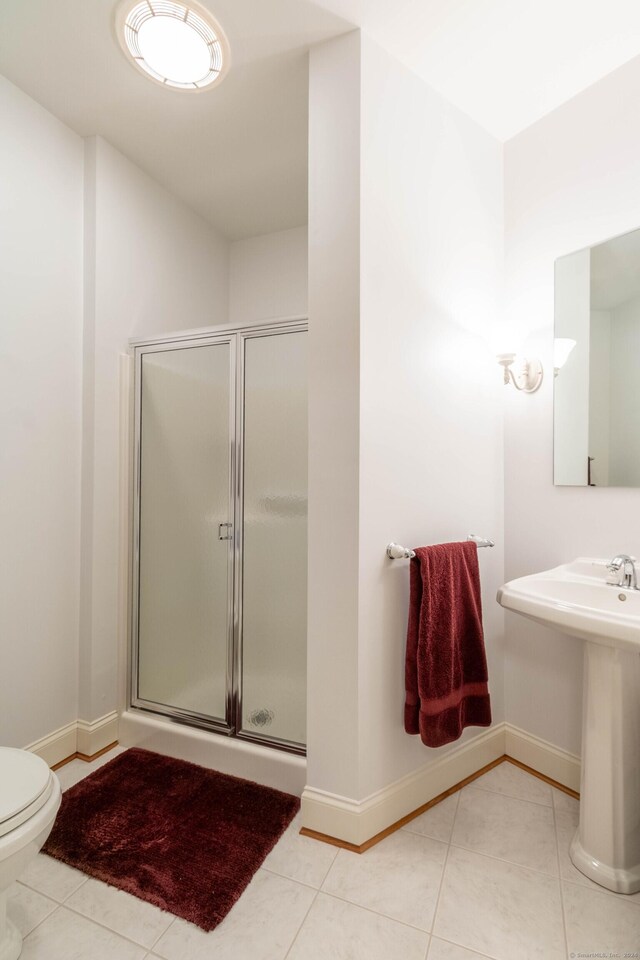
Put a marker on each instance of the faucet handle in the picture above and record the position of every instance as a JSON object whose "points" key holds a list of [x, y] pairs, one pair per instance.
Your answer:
{"points": [[619, 561], [625, 565]]}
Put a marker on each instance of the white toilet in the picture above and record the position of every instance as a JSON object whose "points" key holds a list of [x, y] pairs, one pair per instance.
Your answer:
{"points": [[29, 799]]}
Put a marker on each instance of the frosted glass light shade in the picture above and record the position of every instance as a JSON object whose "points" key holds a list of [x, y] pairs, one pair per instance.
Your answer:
{"points": [[562, 347], [175, 44]]}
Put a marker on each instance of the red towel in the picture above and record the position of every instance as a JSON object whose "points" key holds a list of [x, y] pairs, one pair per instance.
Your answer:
{"points": [[446, 666]]}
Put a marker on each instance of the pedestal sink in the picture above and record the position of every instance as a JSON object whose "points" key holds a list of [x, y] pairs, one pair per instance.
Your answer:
{"points": [[576, 598]]}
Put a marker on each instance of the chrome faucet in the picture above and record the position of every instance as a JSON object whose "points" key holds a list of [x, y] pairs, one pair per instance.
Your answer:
{"points": [[628, 578]]}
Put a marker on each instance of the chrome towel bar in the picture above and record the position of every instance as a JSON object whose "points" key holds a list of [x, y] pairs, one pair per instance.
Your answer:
{"points": [[396, 552]]}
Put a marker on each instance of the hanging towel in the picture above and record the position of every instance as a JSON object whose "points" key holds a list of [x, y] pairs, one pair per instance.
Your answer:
{"points": [[446, 665]]}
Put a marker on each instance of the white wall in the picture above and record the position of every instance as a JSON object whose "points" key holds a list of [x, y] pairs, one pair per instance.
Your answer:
{"points": [[430, 389], [571, 181], [334, 414], [41, 184], [157, 267], [405, 257], [268, 276]]}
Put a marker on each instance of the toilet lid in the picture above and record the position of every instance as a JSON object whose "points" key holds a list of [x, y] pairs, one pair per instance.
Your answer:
{"points": [[25, 784]]}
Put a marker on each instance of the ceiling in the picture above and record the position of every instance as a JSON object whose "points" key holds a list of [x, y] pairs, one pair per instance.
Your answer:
{"points": [[238, 153], [506, 63]]}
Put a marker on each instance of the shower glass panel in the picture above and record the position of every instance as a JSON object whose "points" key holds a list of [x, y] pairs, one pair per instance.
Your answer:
{"points": [[184, 498], [274, 549]]}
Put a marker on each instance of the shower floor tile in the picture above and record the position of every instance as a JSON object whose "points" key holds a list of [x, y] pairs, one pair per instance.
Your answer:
{"points": [[449, 886]]}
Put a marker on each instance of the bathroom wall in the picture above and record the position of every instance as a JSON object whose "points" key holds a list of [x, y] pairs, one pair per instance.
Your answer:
{"points": [[430, 392], [268, 276], [571, 181], [405, 261], [334, 413], [152, 266], [41, 184]]}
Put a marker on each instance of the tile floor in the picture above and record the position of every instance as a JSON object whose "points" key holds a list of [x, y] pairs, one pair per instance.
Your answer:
{"points": [[485, 873]]}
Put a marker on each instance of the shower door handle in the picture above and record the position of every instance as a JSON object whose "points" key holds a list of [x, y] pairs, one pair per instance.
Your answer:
{"points": [[229, 534]]}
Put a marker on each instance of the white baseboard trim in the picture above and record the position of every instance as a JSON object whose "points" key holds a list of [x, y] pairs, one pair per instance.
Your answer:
{"points": [[357, 821], [79, 736], [542, 756], [57, 746], [95, 736]]}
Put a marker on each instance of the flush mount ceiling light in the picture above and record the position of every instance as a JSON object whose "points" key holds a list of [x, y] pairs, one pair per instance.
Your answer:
{"points": [[178, 45]]}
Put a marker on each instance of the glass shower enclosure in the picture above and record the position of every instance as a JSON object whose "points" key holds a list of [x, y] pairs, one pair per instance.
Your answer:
{"points": [[219, 564]]}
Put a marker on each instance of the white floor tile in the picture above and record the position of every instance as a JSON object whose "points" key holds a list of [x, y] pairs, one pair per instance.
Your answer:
{"points": [[335, 930], [66, 936], [494, 902], [499, 909], [437, 822], [71, 773], [300, 858], [121, 912], [399, 877], [441, 950], [261, 926], [77, 770], [510, 780], [562, 801], [566, 826], [600, 925], [500, 826], [51, 877], [27, 908]]}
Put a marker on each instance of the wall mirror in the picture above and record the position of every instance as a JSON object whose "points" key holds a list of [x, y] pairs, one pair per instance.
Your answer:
{"points": [[597, 365]]}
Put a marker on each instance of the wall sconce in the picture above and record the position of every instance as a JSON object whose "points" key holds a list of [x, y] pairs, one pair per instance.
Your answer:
{"points": [[562, 347], [528, 373]]}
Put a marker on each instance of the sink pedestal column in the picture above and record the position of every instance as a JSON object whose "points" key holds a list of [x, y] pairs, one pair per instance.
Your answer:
{"points": [[606, 847]]}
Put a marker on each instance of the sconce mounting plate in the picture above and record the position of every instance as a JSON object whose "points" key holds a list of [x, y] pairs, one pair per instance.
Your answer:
{"points": [[528, 376], [525, 375]]}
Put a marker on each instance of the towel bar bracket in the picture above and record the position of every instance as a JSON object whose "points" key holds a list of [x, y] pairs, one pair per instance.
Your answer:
{"points": [[396, 552]]}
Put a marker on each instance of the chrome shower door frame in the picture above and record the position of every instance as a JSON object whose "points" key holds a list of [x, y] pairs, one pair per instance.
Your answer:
{"points": [[236, 337], [172, 711]]}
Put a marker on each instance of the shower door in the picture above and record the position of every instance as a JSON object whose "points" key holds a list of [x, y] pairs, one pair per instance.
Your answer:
{"points": [[273, 576], [185, 530], [220, 533]]}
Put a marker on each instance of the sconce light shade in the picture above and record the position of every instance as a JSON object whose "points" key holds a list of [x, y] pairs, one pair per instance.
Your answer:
{"points": [[562, 347], [528, 373]]}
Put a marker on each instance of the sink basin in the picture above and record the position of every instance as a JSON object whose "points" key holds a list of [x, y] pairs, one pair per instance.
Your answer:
{"points": [[578, 599]]}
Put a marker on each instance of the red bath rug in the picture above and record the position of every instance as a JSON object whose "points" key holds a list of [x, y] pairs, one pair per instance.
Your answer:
{"points": [[175, 834]]}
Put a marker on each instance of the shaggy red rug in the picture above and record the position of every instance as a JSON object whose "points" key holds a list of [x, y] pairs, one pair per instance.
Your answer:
{"points": [[182, 837]]}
